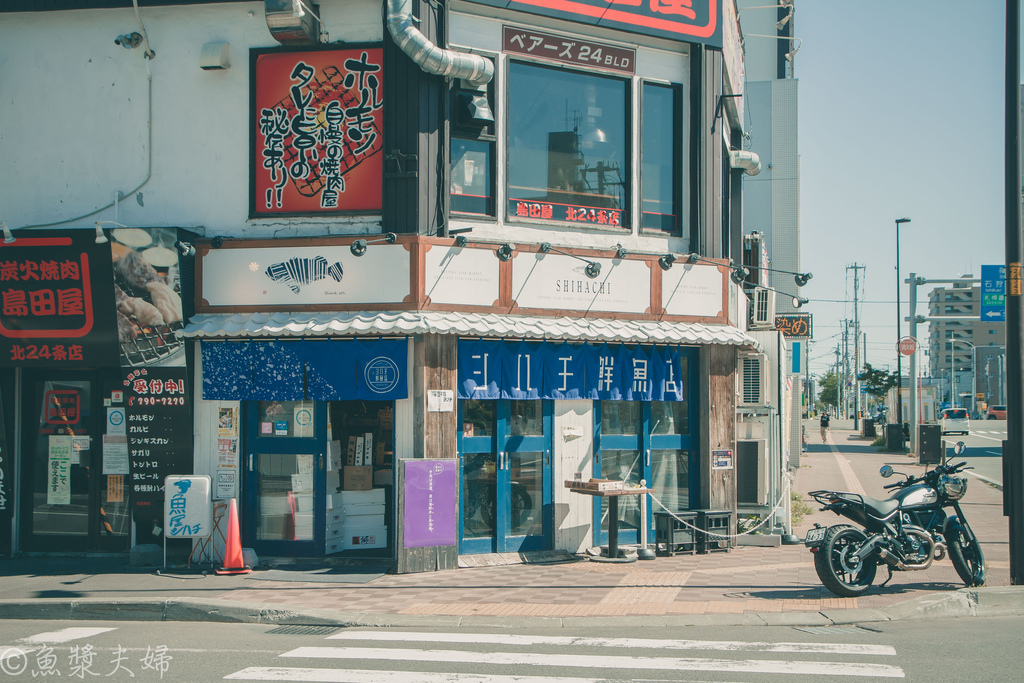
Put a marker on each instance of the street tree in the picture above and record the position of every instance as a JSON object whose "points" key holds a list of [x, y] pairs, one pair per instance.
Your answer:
{"points": [[828, 397]]}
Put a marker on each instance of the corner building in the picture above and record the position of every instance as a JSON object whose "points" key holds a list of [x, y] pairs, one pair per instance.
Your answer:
{"points": [[435, 259]]}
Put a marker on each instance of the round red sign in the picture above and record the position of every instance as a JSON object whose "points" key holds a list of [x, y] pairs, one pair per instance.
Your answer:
{"points": [[907, 346]]}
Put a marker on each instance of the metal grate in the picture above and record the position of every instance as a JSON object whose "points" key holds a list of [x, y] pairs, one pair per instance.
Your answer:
{"points": [[830, 630], [304, 630], [151, 345]]}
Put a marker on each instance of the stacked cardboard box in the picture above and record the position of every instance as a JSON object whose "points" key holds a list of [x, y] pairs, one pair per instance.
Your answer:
{"points": [[356, 520]]}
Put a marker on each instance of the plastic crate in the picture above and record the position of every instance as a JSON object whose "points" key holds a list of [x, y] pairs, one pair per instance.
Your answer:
{"points": [[717, 522], [672, 536]]}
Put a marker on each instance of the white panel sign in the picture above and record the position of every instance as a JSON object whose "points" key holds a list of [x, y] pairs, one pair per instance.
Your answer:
{"points": [[555, 281], [462, 276], [440, 401], [290, 276], [116, 421], [188, 510], [693, 290]]}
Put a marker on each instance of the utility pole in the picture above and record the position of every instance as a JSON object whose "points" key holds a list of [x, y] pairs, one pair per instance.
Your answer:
{"points": [[1013, 447], [846, 367], [839, 385], [856, 346]]}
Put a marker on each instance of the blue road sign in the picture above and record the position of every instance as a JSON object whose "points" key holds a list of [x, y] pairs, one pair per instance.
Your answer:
{"points": [[993, 293]]}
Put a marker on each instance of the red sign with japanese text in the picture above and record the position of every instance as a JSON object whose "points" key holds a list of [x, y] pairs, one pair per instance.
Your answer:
{"points": [[317, 125], [57, 301], [693, 21]]}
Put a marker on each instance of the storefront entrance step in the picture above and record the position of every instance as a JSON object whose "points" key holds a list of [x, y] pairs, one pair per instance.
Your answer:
{"points": [[528, 557]]}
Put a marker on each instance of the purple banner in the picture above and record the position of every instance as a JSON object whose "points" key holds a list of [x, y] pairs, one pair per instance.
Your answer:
{"points": [[430, 502]]}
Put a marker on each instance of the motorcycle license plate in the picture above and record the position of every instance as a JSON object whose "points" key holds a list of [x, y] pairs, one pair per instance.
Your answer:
{"points": [[815, 537]]}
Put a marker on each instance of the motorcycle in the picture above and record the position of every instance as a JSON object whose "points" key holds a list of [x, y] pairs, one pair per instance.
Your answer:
{"points": [[905, 532]]}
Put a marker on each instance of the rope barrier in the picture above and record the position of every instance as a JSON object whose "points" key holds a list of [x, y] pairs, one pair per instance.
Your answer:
{"points": [[711, 533]]}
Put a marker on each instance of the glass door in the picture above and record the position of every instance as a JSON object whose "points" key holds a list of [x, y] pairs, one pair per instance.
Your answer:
{"points": [[73, 500], [505, 457], [285, 481], [619, 454]]}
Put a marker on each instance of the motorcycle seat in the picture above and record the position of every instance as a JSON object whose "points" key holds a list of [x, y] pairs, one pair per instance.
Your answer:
{"points": [[881, 508]]}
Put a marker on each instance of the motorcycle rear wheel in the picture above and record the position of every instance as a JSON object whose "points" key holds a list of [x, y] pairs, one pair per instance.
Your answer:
{"points": [[966, 555], [836, 566]]}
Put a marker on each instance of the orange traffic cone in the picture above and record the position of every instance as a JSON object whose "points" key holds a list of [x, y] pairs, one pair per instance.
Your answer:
{"points": [[233, 561]]}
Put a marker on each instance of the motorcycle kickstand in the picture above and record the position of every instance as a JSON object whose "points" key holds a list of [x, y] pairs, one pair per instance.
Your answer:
{"points": [[889, 578]]}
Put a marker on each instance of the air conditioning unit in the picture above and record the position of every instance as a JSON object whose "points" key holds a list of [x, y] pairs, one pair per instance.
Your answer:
{"points": [[762, 309], [753, 380], [752, 472]]}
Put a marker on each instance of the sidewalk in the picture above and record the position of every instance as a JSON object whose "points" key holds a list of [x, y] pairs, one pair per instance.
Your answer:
{"points": [[747, 585]]}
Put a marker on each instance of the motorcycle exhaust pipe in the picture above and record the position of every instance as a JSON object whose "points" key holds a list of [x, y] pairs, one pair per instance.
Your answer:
{"points": [[895, 561], [940, 551]]}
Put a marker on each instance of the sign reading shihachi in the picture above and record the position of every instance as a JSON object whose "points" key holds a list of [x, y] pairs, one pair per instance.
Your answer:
{"points": [[693, 21], [316, 126], [159, 430], [57, 302]]}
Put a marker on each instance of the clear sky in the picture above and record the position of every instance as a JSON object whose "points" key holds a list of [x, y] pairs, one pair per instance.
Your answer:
{"points": [[901, 115]]}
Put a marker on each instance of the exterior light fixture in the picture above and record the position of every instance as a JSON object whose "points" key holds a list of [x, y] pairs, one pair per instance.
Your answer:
{"points": [[8, 235], [799, 301], [358, 248], [593, 268], [666, 261], [185, 248], [620, 252], [217, 242], [802, 278], [101, 238], [739, 275], [506, 251], [693, 258]]}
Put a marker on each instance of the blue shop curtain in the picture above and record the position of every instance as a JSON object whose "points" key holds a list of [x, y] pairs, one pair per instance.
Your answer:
{"points": [[330, 370], [278, 371], [605, 372], [479, 369], [637, 370], [669, 379], [381, 369], [521, 371], [563, 371], [227, 371]]}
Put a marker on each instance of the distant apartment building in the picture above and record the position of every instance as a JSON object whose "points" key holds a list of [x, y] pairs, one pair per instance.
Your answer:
{"points": [[965, 354]]}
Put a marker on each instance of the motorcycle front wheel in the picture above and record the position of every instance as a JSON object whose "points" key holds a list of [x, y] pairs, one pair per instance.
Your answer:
{"points": [[837, 565], [965, 553]]}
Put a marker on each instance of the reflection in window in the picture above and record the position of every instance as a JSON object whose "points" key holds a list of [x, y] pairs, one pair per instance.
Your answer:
{"points": [[670, 474], [526, 418], [670, 417], [471, 185], [287, 418], [620, 417], [660, 114], [626, 466], [479, 417], [567, 146]]}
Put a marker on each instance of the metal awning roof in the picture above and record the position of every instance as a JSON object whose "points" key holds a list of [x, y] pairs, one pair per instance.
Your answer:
{"points": [[390, 323]]}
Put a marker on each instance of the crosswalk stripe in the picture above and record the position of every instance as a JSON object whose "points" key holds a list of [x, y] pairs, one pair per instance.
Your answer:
{"points": [[599, 662], [64, 635], [301, 675], [633, 643]]}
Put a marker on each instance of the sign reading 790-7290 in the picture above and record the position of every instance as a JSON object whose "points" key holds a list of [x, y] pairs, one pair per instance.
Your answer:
{"points": [[317, 131]]}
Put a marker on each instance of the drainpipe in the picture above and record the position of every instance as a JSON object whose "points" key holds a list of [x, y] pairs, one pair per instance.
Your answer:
{"points": [[747, 161], [473, 69]]}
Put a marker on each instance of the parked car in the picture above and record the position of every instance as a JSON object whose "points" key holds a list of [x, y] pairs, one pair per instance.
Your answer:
{"points": [[996, 413], [955, 420]]}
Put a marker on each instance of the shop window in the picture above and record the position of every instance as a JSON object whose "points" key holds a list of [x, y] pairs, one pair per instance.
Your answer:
{"points": [[568, 146], [365, 430], [620, 417], [295, 419], [479, 418], [670, 417], [527, 418], [472, 184], [660, 174]]}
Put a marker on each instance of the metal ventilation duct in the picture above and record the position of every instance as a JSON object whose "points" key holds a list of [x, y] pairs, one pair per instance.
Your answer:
{"points": [[473, 69], [289, 23], [748, 162]]}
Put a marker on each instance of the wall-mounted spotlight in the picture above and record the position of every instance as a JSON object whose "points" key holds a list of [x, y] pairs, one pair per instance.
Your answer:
{"points": [[101, 237], [666, 261], [693, 258], [358, 248], [8, 235], [506, 251], [620, 252], [593, 268], [217, 242], [802, 278], [799, 301], [185, 248], [739, 275], [129, 41]]}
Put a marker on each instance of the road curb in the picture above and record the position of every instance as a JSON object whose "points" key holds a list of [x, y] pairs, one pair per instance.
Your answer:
{"points": [[967, 602]]}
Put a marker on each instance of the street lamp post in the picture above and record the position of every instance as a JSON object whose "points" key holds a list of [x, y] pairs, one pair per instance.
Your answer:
{"points": [[899, 323]]}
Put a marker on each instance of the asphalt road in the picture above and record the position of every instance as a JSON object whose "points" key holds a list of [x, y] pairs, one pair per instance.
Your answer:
{"points": [[933, 650], [984, 448]]}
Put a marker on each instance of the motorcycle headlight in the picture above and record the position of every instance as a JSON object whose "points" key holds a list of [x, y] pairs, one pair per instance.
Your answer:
{"points": [[953, 488]]}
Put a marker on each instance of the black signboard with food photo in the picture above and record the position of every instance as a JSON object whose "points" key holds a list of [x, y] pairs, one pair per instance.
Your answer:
{"points": [[55, 301], [147, 294]]}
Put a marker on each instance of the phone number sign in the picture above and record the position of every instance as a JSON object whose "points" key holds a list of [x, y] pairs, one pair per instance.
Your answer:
{"points": [[794, 325]]}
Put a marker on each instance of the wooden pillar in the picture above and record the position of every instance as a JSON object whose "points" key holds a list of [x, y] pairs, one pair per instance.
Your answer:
{"points": [[717, 425], [434, 368]]}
